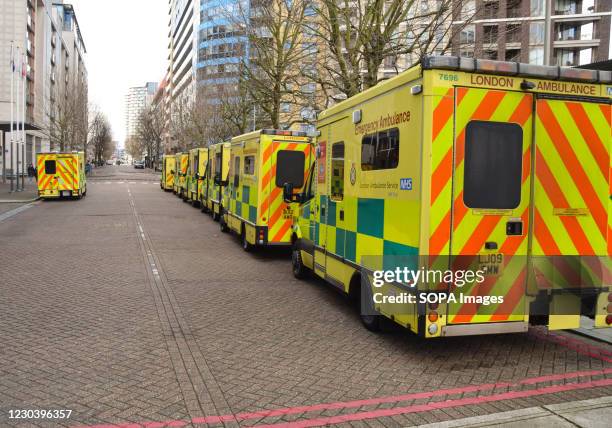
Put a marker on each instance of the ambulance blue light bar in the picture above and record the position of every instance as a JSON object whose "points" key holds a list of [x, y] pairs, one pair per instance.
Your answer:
{"points": [[446, 62]]}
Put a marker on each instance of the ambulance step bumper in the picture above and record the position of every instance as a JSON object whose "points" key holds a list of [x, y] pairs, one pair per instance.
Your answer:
{"points": [[485, 328]]}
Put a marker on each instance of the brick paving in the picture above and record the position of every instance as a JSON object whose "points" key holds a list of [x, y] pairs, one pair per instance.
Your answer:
{"points": [[131, 306]]}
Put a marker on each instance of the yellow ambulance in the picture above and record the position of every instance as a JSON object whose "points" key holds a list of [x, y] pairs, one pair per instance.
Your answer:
{"points": [[61, 175], [182, 164], [168, 172], [205, 183], [218, 173], [198, 159], [261, 162], [460, 165]]}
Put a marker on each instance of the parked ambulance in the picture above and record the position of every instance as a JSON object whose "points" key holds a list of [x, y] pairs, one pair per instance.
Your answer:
{"points": [[460, 164], [61, 175], [260, 163]]}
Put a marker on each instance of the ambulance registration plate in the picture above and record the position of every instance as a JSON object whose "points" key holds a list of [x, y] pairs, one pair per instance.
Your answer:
{"points": [[491, 263]]}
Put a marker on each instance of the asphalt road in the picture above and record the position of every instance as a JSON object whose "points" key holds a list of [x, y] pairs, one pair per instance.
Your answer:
{"points": [[130, 306]]}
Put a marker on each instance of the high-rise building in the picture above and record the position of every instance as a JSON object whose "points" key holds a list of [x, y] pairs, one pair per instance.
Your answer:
{"points": [[222, 46], [182, 46], [56, 76], [137, 99], [545, 32]]}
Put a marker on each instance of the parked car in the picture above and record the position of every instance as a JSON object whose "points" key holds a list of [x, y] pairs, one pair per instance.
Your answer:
{"points": [[110, 162], [139, 164]]}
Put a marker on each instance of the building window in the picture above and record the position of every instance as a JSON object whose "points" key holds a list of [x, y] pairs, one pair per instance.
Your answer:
{"points": [[467, 35], [536, 56], [537, 8], [490, 10], [489, 54], [513, 8], [513, 33], [536, 33], [489, 34], [513, 55]]}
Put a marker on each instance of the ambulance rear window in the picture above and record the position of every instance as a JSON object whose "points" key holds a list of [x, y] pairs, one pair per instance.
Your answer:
{"points": [[493, 165], [290, 168], [50, 167]]}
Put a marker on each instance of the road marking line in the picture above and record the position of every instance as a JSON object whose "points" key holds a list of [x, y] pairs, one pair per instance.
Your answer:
{"points": [[396, 399], [436, 406], [15, 211]]}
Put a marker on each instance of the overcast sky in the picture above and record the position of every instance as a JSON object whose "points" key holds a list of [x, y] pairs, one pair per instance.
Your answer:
{"points": [[126, 43]]}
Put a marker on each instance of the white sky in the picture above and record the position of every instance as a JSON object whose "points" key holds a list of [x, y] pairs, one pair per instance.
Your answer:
{"points": [[126, 43]]}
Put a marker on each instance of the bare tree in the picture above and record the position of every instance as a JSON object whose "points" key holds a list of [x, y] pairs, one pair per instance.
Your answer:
{"points": [[68, 124], [360, 35], [100, 137], [278, 49], [133, 147], [149, 134]]}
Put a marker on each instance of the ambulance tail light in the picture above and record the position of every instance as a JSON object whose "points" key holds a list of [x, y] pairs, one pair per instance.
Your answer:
{"points": [[497, 67], [433, 316]]}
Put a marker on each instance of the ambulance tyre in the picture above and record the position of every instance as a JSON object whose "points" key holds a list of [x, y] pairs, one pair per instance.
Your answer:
{"points": [[369, 318], [223, 225], [246, 245], [297, 264], [203, 206], [215, 215]]}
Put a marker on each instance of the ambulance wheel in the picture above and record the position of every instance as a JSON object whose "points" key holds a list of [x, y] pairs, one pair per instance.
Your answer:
{"points": [[223, 225], [215, 216], [297, 264], [369, 317], [246, 245], [203, 206]]}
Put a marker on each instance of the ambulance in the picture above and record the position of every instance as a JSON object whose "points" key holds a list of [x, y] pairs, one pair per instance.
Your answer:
{"points": [[61, 175], [198, 160], [260, 164], [218, 173], [460, 165], [168, 172], [205, 186], [182, 164]]}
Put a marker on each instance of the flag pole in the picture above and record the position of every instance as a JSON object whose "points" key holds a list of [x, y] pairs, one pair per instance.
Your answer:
{"points": [[14, 131], [18, 136], [23, 144], [13, 127], [4, 155]]}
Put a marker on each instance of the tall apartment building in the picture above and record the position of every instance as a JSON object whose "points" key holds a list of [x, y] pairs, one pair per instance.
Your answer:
{"points": [[136, 100], [545, 32], [182, 46], [55, 71]]}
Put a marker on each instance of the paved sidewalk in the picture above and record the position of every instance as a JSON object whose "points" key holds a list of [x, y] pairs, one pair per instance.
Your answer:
{"points": [[588, 329], [12, 200], [592, 413]]}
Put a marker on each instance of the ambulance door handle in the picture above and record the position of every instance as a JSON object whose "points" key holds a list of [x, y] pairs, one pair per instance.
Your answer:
{"points": [[341, 214]]}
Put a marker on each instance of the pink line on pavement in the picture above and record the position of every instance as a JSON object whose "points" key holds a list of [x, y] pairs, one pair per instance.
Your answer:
{"points": [[358, 403], [440, 405], [577, 345]]}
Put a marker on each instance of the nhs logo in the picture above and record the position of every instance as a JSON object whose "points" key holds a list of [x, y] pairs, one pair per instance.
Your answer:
{"points": [[406, 184], [610, 90]]}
